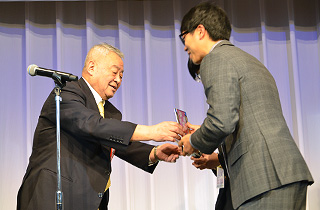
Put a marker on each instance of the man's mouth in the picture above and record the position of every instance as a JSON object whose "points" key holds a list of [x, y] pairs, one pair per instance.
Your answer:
{"points": [[114, 87]]}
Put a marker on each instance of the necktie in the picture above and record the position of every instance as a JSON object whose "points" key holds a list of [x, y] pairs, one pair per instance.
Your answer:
{"points": [[101, 110]]}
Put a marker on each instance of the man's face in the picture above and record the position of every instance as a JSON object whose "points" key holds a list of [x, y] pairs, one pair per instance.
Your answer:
{"points": [[108, 75], [192, 47]]}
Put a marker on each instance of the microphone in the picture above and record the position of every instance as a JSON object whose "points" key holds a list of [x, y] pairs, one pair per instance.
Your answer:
{"points": [[34, 70]]}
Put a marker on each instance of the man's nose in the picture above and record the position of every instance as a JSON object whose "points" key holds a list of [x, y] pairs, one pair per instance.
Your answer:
{"points": [[117, 78]]}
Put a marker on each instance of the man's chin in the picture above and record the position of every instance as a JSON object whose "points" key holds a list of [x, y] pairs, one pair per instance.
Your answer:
{"points": [[110, 93], [195, 61], [109, 96]]}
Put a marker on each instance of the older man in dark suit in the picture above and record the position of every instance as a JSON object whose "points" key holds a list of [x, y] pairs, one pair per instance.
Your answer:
{"points": [[264, 165], [88, 139]]}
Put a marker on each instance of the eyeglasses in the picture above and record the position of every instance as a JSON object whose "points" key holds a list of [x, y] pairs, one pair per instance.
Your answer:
{"points": [[181, 36]]}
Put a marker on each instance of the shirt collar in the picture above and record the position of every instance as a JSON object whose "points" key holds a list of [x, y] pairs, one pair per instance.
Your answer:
{"points": [[216, 45], [96, 95]]}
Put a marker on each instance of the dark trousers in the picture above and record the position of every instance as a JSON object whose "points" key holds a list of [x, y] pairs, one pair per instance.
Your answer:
{"points": [[104, 202], [224, 201]]}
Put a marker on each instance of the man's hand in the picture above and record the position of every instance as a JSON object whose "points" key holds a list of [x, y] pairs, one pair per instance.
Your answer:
{"points": [[167, 131], [192, 128], [187, 149], [165, 152], [164, 131], [206, 161]]}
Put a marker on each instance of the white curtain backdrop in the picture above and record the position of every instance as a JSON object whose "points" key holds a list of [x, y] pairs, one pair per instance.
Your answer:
{"points": [[282, 34]]}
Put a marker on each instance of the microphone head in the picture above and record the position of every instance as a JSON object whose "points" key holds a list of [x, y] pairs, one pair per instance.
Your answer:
{"points": [[32, 69]]}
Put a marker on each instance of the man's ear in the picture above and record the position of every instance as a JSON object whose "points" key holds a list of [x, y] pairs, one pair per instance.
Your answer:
{"points": [[91, 67], [201, 30]]}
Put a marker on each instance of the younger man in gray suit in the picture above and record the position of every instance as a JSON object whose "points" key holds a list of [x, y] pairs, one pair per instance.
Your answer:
{"points": [[264, 165]]}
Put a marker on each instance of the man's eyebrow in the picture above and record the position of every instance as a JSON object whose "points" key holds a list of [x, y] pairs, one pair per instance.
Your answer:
{"points": [[117, 67]]}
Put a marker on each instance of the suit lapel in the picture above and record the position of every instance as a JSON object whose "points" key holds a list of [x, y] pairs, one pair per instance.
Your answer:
{"points": [[90, 101], [110, 111]]}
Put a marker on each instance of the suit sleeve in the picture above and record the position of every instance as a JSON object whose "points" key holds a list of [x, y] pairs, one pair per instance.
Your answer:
{"points": [[85, 123], [220, 81], [137, 154]]}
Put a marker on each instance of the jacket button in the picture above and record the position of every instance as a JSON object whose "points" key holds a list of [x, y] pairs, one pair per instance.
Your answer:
{"points": [[100, 195]]}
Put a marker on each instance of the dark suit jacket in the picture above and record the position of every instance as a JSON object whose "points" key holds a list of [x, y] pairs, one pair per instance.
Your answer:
{"points": [[245, 113], [86, 139]]}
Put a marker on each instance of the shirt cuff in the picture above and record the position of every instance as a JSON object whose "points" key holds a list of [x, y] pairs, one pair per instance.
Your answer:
{"points": [[157, 160], [191, 142]]}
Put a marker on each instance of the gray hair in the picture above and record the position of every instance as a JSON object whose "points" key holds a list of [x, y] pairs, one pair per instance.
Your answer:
{"points": [[103, 48]]}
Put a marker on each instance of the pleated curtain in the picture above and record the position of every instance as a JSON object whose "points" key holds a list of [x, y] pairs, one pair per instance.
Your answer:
{"points": [[282, 34]]}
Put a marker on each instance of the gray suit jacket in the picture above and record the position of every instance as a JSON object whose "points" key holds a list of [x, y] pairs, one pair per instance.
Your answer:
{"points": [[245, 113]]}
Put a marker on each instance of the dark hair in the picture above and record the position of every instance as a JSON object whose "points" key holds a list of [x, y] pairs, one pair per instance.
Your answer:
{"points": [[212, 17], [193, 68]]}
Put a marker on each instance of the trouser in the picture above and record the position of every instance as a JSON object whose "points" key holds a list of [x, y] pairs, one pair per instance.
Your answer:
{"points": [[224, 201], [104, 201]]}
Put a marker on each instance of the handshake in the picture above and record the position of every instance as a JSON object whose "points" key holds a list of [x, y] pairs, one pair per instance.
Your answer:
{"points": [[174, 132]]}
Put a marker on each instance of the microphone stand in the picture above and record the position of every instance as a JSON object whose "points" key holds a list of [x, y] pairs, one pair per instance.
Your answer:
{"points": [[59, 85]]}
